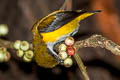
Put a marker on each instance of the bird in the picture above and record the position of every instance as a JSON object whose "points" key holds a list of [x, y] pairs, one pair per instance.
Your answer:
{"points": [[52, 29]]}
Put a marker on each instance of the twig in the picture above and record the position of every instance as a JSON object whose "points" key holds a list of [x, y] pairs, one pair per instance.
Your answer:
{"points": [[64, 5], [67, 4], [81, 66], [6, 44], [9, 44]]}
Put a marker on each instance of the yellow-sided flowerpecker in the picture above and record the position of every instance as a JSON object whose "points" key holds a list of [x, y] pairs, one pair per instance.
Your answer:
{"points": [[52, 29]]}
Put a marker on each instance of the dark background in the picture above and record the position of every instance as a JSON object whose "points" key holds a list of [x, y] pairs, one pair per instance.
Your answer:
{"points": [[101, 64]]}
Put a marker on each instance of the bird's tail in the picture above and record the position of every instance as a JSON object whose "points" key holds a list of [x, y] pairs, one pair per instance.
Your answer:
{"points": [[86, 14]]}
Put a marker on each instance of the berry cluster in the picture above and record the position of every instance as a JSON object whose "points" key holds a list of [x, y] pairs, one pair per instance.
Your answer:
{"points": [[66, 50], [23, 50]]}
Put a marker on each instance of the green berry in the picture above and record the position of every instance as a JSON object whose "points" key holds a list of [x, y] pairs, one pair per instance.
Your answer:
{"points": [[2, 56], [17, 44], [3, 29], [68, 62], [29, 54], [7, 56], [62, 47], [3, 49], [26, 59], [20, 53], [62, 55], [24, 45]]}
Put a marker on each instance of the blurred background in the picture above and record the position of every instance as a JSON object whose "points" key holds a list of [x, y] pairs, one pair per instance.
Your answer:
{"points": [[101, 64]]}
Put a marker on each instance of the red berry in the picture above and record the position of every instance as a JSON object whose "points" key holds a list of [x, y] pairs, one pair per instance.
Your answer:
{"points": [[70, 51]]}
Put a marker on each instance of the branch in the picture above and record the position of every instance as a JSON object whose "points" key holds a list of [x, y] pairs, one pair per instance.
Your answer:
{"points": [[99, 41], [6, 44], [9, 44], [94, 41]]}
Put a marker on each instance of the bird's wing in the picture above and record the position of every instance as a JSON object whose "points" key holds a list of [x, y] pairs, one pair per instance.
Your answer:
{"points": [[55, 21]]}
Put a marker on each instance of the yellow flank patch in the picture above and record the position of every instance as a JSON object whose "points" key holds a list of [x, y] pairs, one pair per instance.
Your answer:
{"points": [[64, 30], [53, 36]]}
